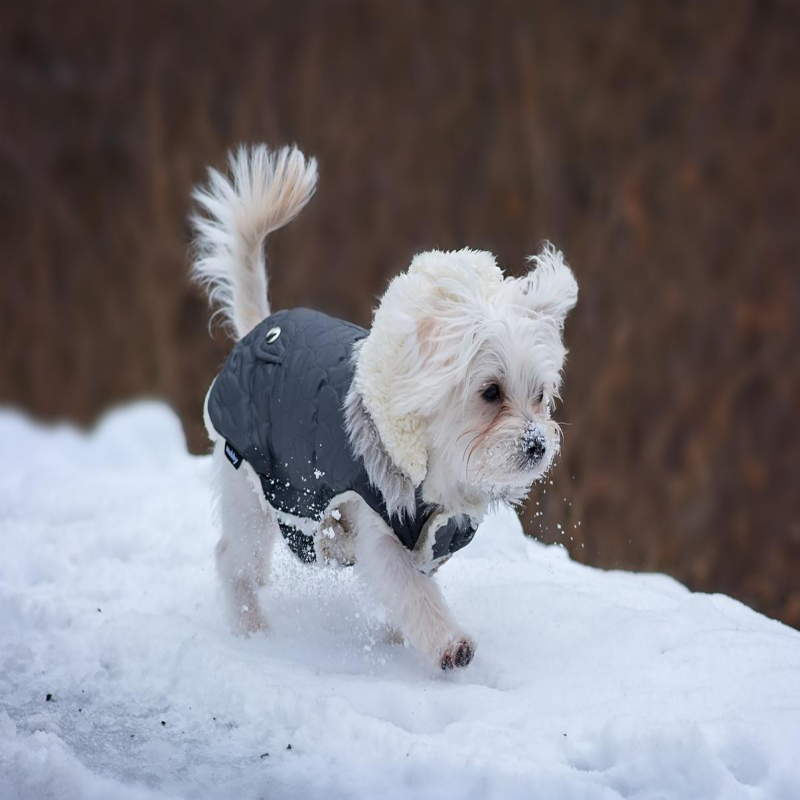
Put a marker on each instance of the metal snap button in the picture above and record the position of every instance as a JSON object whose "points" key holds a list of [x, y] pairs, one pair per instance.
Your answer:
{"points": [[272, 335]]}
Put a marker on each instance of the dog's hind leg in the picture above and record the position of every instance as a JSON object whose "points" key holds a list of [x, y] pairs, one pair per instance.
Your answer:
{"points": [[244, 550], [414, 600]]}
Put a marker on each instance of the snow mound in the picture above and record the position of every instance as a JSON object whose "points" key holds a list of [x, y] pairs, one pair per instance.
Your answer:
{"points": [[586, 684]]}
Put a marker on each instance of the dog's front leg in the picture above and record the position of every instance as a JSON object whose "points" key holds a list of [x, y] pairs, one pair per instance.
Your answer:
{"points": [[413, 599]]}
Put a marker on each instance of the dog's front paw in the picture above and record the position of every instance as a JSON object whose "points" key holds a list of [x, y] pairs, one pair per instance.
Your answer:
{"points": [[393, 635], [457, 654], [250, 622]]}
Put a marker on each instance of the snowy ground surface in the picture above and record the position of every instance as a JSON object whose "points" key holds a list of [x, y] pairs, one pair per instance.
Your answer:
{"points": [[586, 684]]}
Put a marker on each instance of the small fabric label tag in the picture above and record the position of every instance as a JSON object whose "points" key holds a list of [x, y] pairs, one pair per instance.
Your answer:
{"points": [[233, 455]]}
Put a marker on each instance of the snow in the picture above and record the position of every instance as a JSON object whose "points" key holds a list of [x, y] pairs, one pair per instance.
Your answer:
{"points": [[586, 684]]}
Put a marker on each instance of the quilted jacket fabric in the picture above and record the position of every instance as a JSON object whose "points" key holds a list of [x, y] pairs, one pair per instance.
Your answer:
{"points": [[279, 402]]}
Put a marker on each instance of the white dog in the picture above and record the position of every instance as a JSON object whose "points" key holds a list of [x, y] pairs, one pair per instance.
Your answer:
{"points": [[386, 447]]}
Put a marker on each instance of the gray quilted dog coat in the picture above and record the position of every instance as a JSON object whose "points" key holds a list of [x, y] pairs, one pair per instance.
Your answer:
{"points": [[278, 403]]}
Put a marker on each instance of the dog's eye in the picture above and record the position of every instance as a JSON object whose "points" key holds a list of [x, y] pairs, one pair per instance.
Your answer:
{"points": [[491, 394], [540, 397]]}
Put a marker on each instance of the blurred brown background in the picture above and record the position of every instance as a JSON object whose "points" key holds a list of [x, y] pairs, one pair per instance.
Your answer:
{"points": [[656, 143]]}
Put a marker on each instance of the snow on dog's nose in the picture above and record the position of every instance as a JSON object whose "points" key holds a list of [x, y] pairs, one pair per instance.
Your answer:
{"points": [[536, 450], [533, 447]]}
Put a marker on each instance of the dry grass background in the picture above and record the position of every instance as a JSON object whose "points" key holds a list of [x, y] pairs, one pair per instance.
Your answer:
{"points": [[657, 143]]}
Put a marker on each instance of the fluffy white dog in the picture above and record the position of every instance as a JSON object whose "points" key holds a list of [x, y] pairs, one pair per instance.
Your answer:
{"points": [[385, 447]]}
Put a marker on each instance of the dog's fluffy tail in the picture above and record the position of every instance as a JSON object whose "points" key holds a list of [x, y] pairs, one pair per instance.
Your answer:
{"points": [[263, 192]]}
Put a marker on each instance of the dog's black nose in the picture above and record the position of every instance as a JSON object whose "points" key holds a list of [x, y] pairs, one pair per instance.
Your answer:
{"points": [[536, 450]]}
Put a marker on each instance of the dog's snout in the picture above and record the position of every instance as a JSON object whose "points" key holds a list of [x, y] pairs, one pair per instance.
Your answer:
{"points": [[534, 447], [536, 450]]}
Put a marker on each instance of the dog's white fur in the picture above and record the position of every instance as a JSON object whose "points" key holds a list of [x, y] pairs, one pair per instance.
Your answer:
{"points": [[445, 331]]}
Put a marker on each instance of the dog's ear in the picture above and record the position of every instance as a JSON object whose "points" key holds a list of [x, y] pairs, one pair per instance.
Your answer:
{"points": [[418, 347], [550, 288]]}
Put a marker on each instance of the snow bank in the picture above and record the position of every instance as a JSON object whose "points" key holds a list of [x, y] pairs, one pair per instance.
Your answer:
{"points": [[586, 684]]}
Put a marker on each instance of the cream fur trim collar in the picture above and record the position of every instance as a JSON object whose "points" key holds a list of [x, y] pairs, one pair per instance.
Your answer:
{"points": [[403, 436]]}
